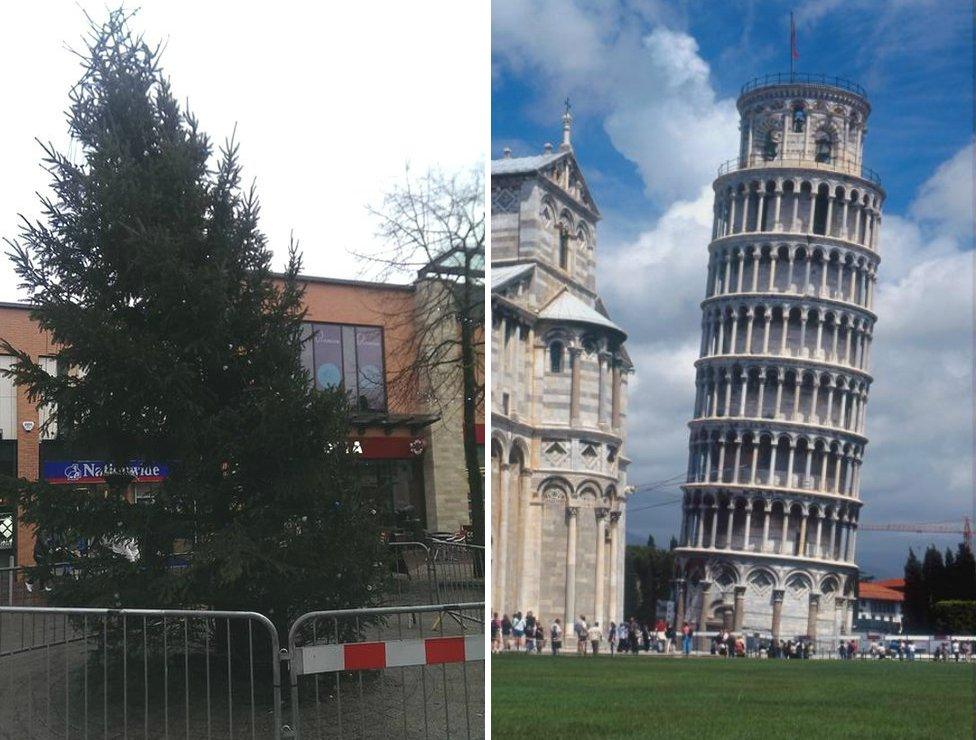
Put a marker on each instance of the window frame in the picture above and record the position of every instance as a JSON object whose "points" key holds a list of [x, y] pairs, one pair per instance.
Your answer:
{"points": [[354, 399]]}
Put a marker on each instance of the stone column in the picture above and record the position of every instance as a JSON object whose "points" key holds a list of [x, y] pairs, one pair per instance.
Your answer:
{"points": [[570, 614], [525, 584], [601, 546], [574, 398], [678, 585], [812, 616], [703, 612], [700, 527], [740, 611], [785, 530], [604, 414], [731, 517], [501, 557], [747, 527], [755, 461], [615, 546], [765, 536], [802, 544], [780, 379], [777, 611], [789, 463], [738, 457], [615, 403], [777, 224], [762, 391], [772, 270], [766, 325], [738, 277], [713, 537], [771, 479], [816, 548], [721, 459]]}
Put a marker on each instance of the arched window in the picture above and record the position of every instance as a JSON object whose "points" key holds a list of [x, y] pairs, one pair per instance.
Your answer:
{"points": [[822, 153], [799, 118], [556, 357], [564, 249]]}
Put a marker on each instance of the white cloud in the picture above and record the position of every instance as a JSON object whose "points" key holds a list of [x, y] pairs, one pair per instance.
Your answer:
{"points": [[651, 90], [653, 94], [946, 198]]}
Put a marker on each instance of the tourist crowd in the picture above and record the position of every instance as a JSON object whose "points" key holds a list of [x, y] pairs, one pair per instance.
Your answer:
{"points": [[527, 633]]}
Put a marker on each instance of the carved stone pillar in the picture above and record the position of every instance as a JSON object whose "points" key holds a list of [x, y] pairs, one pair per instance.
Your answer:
{"points": [[614, 558], [740, 610], [615, 402], [703, 612], [501, 556], [574, 396], [812, 616], [525, 583], [777, 612], [570, 613], [679, 606], [601, 546]]}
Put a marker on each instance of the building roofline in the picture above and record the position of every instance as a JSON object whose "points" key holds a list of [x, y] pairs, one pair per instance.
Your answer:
{"points": [[369, 284]]}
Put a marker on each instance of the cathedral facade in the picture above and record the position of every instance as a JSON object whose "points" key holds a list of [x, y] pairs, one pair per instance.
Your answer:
{"points": [[558, 398]]}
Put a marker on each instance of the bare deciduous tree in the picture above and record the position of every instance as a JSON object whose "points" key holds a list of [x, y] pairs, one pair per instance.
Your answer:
{"points": [[434, 227]]}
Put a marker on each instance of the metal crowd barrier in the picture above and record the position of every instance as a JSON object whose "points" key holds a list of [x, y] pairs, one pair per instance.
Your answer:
{"points": [[150, 672], [389, 672], [459, 571], [413, 575]]}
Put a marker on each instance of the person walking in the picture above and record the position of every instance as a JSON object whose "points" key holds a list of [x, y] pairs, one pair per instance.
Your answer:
{"points": [[686, 635], [668, 639], [556, 636], [506, 632], [595, 635], [612, 637], [518, 630], [580, 628], [633, 636], [540, 636], [529, 630], [496, 633], [621, 637]]}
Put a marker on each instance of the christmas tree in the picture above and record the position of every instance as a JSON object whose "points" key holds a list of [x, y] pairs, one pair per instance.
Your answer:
{"points": [[178, 346]]}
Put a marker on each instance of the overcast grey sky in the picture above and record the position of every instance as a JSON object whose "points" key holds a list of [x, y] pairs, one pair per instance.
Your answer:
{"points": [[330, 101]]}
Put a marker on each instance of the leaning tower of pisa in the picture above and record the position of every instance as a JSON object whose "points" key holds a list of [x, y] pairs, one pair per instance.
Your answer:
{"points": [[771, 501]]}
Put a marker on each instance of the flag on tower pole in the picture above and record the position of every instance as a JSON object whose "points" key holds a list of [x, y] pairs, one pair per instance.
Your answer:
{"points": [[794, 51]]}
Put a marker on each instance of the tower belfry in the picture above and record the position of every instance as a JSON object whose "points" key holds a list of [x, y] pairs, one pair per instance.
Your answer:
{"points": [[771, 502]]}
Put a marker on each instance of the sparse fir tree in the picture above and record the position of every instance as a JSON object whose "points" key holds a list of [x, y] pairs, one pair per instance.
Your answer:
{"points": [[915, 604], [178, 345]]}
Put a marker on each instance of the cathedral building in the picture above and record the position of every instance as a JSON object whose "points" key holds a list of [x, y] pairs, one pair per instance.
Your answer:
{"points": [[558, 397], [772, 498]]}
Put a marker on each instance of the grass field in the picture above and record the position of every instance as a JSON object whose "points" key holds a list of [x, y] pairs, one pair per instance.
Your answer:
{"points": [[703, 698]]}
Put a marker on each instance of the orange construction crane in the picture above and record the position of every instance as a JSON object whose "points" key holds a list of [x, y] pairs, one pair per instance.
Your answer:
{"points": [[936, 528]]}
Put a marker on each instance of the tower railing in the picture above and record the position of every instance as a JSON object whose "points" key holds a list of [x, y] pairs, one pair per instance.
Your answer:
{"points": [[788, 78], [839, 164]]}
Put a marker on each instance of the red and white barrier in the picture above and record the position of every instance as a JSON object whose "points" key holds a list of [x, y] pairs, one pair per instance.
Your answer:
{"points": [[361, 656]]}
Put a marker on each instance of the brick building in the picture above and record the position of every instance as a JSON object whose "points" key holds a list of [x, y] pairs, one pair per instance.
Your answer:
{"points": [[360, 335]]}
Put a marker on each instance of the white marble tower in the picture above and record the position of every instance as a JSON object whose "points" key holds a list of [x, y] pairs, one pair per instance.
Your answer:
{"points": [[771, 502]]}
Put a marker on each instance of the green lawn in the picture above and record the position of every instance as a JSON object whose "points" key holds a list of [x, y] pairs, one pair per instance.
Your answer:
{"points": [[703, 698]]}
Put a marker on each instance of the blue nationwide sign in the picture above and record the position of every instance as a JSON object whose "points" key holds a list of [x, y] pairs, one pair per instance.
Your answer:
{"points": [[95, 471]]}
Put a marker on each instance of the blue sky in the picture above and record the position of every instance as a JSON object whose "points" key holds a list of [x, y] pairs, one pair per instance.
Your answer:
{"points": [[653, 86]]}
